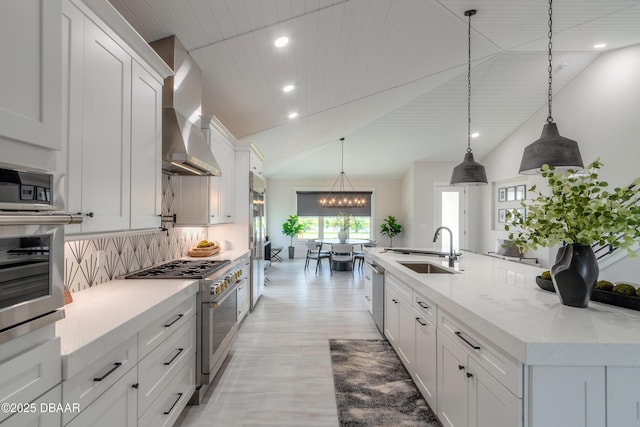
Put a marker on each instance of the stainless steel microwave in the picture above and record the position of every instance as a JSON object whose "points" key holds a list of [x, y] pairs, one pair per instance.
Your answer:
{"points": [[31, 251]]}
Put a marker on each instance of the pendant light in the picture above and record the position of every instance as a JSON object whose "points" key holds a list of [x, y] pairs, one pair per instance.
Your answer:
{"points": [[469, 172], [551, 148], [340, 196]]}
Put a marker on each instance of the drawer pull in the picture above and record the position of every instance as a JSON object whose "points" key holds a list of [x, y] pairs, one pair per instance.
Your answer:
{"points": [[115, 366], [174, 404], [423, 305], [367, 297], [180, 350], [469, 375], [395, 301], [469, 343], [168, 325], [419, 320]]}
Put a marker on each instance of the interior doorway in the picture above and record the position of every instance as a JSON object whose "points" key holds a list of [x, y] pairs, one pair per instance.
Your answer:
{"points": [[450, 211]]}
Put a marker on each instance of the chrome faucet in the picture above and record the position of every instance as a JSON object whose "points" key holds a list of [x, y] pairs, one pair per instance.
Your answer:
{"points": [[452, 255]]}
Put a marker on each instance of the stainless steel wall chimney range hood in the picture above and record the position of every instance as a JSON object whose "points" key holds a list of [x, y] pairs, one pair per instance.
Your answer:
{"points": [[185, 150]]}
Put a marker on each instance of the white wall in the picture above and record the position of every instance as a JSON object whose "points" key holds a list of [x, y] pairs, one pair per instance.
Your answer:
{"points": [[281, 202], [419, 200], [600, 109]]}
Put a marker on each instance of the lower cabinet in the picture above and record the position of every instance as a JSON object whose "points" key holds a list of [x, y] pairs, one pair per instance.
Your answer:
{"points": [[115, 407], [40, 413], [623, 396], [399, 318], [425, 368], [368, 287], [147, 380]]}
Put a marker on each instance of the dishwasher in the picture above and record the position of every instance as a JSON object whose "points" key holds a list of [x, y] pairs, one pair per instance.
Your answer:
{"points": [[377, 296]]}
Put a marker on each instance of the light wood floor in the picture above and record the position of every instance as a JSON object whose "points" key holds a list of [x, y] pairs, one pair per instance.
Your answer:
{"points": [[279, 371]]}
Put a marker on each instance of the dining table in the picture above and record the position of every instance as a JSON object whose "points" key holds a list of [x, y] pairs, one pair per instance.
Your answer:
{"points": [[342, 266]]}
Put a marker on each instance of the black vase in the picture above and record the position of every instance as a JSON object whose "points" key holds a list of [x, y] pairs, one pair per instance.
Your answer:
{"points": [[575, 274]]}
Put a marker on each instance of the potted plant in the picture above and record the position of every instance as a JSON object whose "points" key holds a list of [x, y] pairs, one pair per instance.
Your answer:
{"points": [[343, 221], [390, 228], [577, 213], [292, 228]]}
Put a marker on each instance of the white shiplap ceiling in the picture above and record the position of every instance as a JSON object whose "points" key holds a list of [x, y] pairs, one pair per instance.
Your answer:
{"points": [[389, 75]]}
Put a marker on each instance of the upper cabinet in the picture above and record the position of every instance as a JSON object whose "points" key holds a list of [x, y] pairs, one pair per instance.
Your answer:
{"points": [[112, 136], [209, 200], [30, 93]]}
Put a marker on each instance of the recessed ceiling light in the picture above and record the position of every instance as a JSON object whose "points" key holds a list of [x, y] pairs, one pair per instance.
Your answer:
{"points": [[293, 115], [475, 135], [288, 88], [599, 45], [281, 41]]}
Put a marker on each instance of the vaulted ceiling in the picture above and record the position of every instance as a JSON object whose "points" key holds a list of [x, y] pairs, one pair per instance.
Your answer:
{"points": [[388, 75]]}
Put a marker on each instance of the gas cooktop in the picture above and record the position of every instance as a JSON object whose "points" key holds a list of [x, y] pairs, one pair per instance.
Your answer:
{"points": [[180, 269]]}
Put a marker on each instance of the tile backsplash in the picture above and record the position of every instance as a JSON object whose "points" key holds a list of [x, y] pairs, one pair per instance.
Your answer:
{"points": [[91, 262]]}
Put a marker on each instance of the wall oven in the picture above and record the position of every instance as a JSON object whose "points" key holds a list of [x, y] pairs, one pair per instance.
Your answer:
{"points": [[31, 251]]}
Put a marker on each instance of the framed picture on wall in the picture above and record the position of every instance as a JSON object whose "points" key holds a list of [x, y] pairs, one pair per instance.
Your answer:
{"points": [[502, 194], [521, 192], [511, 194], [502, 215]]}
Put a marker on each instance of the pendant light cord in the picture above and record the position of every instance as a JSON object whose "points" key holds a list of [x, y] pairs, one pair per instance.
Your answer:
{"points": [[550, 69], [469, 14]]}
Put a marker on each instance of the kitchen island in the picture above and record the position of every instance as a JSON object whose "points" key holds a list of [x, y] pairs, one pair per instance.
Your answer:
{"points": [[486, 346]]}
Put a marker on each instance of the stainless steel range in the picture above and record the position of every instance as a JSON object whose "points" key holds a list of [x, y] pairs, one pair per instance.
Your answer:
{"points": [[217, 307]]}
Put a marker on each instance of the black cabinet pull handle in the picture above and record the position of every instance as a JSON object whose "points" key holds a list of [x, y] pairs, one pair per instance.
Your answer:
{"points": [[90, 214], [180, 350], [167, 325], [461, 367], [469, 374], [419, 320], [469, 343], [136, 385], [174, 404], [115, 366], [423, 305], [395, 301]]}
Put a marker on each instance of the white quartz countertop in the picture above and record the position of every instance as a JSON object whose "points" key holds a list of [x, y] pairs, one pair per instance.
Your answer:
{"points": [[500, 300], [101, 318]]}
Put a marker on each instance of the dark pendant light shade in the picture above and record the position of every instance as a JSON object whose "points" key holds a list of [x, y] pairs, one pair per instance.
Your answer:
{"points": [[551, 149], [469, 172]]}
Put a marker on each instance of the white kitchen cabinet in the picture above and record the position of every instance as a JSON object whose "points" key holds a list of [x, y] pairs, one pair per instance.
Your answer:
{"points": [[400, 320], [115, 407], [425, 367], [201, 201], [43, 413], [111, 106], [31, 52], [255, 164], [146, 149], [453, 396], [490, 403], [623, 396], [568, 396], [243, 300], [29, 366]]}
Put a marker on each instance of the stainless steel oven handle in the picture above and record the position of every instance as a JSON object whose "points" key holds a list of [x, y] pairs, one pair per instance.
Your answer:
{"points": [[39, 219], [223, 296]]}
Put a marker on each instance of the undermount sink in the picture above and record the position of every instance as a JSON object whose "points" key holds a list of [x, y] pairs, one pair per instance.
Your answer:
{"points": [[425, 268]]}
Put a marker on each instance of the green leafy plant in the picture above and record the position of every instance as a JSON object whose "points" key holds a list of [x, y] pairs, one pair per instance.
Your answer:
{"points": [[390, 228], [579, 210], [292, 227], [343, 221]]}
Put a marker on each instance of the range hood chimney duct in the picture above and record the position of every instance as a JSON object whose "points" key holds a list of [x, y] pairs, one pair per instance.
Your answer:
{"points": [[185, 150]]}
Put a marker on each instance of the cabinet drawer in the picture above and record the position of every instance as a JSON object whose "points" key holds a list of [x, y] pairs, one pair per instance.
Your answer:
{"points": [[400, 289], [506, 370], [159, 366], [151, 336], [88, 384], [425, 307], [27, 375], [37, 417], [167, 407], [116, 407]]}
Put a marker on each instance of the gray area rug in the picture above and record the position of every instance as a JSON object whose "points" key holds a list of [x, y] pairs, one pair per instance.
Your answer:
{"points": [[373, 388]]}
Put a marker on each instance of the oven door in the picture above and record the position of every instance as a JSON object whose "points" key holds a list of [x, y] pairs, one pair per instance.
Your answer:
{"points": [[31, 271], [218, 331]]}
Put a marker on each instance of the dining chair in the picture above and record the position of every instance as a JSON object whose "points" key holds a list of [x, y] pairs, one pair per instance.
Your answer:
{"points": [[341, 252], [358, 257], [314, 252]]}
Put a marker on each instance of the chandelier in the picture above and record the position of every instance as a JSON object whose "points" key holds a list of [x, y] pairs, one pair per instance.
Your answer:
{"points": [[340, 196]]}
